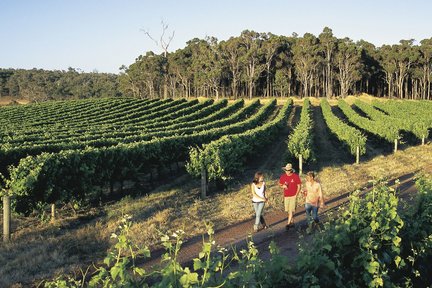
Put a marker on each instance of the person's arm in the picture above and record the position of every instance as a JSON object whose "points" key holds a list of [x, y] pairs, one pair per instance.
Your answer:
{"points": [[266, 193], [320, 194], [298, 185], [282, 185]]}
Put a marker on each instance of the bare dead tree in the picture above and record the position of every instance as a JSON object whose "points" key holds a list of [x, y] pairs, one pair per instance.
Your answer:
{"points": [[164, 44]]}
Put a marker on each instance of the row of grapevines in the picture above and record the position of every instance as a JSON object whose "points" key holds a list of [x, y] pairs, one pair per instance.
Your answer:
{"points": [[59, 120], [73, 111], [11, 154], [349, 135], [300, 142], [382, 129], [418, 121], [85, 174], [98, 132], [406, 123], [226, 156]]}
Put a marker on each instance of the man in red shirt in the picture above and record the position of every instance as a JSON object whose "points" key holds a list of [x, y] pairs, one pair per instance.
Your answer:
{"points": [[291, 184]]}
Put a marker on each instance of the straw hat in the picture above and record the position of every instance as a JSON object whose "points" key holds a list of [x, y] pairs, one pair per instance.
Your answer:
{"points": [[288, 167]]}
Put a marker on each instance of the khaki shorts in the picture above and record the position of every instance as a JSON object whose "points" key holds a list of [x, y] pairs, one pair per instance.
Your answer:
{"points": [[290, 203]]}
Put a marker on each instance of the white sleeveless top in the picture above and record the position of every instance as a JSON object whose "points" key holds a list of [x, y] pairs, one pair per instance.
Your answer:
{"points": [[259, 191]]}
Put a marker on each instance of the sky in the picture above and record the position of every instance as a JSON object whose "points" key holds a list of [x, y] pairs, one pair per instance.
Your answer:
{"points": [[96, 35]]}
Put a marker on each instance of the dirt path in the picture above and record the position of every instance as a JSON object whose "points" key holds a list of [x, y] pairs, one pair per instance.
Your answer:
{"points": [[236, 235]]}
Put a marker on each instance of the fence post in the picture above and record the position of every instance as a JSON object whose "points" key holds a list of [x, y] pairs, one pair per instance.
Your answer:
{"points": [[300, 164], [53, 212], [357, 155], [6, 218], [395, 145], [203, 181]]}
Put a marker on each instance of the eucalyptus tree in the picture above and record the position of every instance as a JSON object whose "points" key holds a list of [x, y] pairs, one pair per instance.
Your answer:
{"points": [[284, 67], [253, 58], [213, 65], [372, 74], [405, 55], [388, 63], [271, 46], [328, 47], [180, 63], [145, 75], [425, 59], [348, 64], [231, 52], [306, 60]]}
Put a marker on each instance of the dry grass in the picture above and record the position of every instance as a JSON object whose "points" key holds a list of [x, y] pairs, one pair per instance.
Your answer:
{"points": [[6, 100]]}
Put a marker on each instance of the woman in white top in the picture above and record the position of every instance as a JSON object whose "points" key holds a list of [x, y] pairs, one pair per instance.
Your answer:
{"points": [[259, 198]]}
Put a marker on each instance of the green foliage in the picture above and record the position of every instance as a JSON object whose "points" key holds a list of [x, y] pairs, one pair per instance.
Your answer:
{"points": [[226, 156], [383, 129], [42, 85], [300, 141], [410, 116], [369, 244], [121, 270], [349, 135], [86, 175]]}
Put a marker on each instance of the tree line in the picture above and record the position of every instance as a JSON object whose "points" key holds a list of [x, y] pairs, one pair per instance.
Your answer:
{"points": [[264, 64], [251, 64], [41, 85]]}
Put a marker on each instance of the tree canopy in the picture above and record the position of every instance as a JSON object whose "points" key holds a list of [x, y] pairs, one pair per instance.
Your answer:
{"points": [[248, 65]]}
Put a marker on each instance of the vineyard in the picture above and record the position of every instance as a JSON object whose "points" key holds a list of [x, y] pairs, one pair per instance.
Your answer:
{"points": [[85, 151], [77, 150]]}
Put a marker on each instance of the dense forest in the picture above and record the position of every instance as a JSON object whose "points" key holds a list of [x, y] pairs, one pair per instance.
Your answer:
{"points": [[41, 85], [252, 64]]}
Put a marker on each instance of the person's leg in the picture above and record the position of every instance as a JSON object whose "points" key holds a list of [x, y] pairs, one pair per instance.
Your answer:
{"points": [[262, 220], [257, 216], [292, 206], [286, 204], [308, 209], [258, 211], [315, 214]]}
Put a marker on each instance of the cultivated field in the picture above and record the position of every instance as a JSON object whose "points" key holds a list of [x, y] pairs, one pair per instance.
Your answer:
{"points": [[97, 160]]}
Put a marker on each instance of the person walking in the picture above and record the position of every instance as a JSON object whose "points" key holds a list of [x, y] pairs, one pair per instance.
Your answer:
{"points": [[314, 198], [259, 198], [291, 184]]}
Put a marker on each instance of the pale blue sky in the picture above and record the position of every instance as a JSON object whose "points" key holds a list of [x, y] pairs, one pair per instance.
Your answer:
{"points": [[103, 35]]}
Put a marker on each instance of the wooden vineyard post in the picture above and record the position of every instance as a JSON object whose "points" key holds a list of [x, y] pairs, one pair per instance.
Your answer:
{"points": [[395, 145], [357, 155], [53, 213], [203, 181], [300, 164], [423, 140], [6, 218]]}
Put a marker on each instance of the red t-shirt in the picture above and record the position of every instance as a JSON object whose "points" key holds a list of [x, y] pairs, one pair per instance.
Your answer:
{"points": [[291, 181]]}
